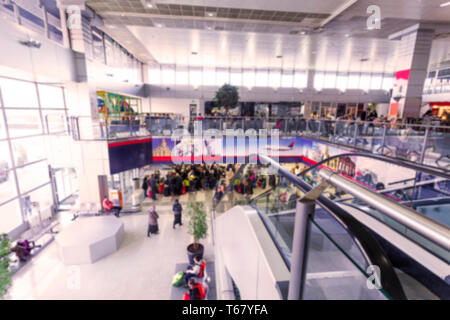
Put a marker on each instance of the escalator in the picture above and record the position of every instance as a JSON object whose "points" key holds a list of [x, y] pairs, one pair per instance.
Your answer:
{"points": [[348, 237]]}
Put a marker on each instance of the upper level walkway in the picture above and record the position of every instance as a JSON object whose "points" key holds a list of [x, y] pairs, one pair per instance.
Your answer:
{"points": [[428, 144]]}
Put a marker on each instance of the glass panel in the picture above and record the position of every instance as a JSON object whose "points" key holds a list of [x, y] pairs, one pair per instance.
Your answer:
{"points": [[44, 197], [330, 80], [275, 78], [54, 121], [2, 126], [23, 122], [262, 78], [222, 77], [7, 181], [330, 275], [10, 216], [28, 150], [51, 97], [300, 79], [182, 76], [154, 75], [318, 80], [236, 78], [341, 82], [287, 79], [353, 81], [364, 82], [32, 176], [209, 76], [387, 83], [195, 76], [168, 75], [376, 81], [249, 78], [18, 94]]}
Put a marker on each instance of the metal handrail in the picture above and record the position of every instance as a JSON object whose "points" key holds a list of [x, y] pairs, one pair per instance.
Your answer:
{"points": [[423, 225], [369, 245]]}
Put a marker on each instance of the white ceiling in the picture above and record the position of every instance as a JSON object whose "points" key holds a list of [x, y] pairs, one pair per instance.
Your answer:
{"points": [[237, 49], [256, 43]]}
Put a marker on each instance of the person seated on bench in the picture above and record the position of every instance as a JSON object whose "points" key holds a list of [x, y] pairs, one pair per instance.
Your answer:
{"points": [[23, 249], [110, 208], [197, 270], [197, 291]]}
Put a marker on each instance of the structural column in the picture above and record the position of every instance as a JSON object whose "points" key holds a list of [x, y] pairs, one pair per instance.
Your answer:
{"points": [[411, 70]]}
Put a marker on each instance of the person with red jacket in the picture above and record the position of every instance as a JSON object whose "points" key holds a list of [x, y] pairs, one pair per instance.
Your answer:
{"points": [[197, 291]]}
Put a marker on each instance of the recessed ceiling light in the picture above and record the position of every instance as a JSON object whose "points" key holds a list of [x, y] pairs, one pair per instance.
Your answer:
{"points": [[279, 57], [149, 5], [445, 4]]}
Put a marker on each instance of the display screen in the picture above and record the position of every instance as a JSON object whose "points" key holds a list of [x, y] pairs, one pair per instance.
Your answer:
{"points": [[130, 154]]}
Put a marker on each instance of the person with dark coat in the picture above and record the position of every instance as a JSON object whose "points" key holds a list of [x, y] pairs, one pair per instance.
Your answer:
{"points": [[152, 222], [154, 186], [145, 186], [177, 210]]}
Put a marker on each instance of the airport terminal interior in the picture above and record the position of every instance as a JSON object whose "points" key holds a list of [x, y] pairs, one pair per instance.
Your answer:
{"points": [[224, 150]]}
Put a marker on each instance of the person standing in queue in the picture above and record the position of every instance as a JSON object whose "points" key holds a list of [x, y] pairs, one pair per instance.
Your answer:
{"points": [[145, 186], [153, 186], [177, 210], [152, 222]]}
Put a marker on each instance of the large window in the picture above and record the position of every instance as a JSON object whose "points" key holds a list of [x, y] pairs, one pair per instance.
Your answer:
{"points": [[387, 82], [222, 76], [10, 216], [262, 78], [32, 176], [23, 122], [364, 81], [236, 77], [209, 76], [28, 150], [45, 199], [248, 78], [376, 81], [51, 97], [318, 80], [341, 81], [182, 76], [353, 80], [154, 74], [300, 79], [167, 74], [7, 182], [330, 80], [54, 121], [195, 76], [18, 94], [2, 126], [275, 78], [287, 78]]}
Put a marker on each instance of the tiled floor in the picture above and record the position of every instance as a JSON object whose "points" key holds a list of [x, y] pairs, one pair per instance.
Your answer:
{"points": [[141, 269]]}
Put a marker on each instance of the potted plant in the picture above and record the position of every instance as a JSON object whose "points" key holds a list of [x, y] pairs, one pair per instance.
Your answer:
{"points": [[197, 227], [227, 97], [5, 272]]}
